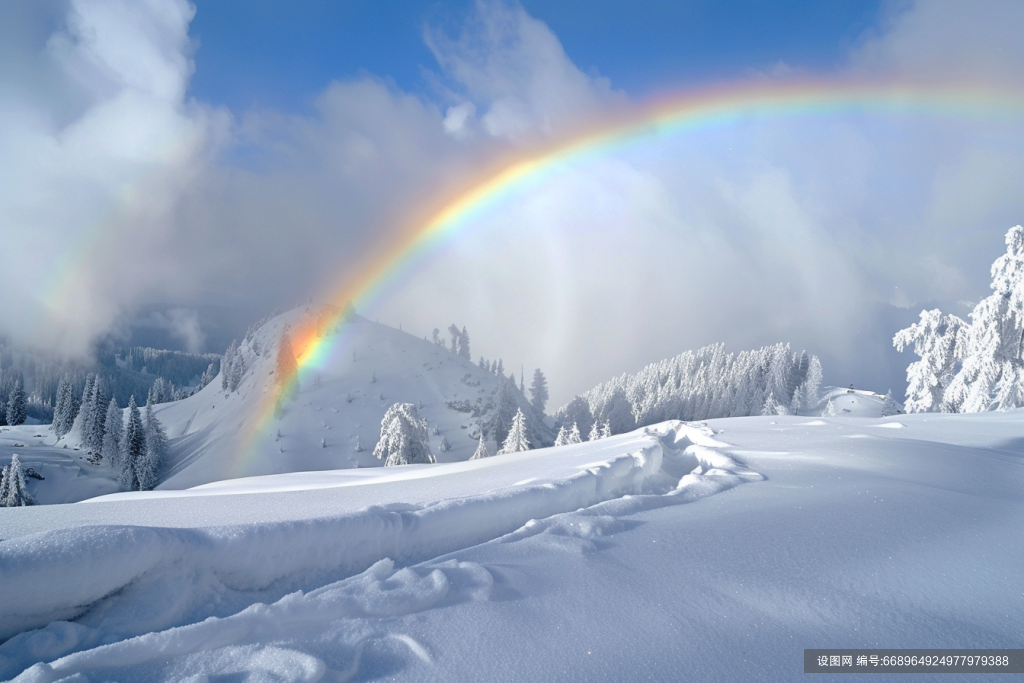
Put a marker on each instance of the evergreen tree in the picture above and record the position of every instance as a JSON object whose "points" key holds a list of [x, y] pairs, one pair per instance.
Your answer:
{"points": [[404, 437], [148, 471], [889, 406], [92, 428], [574, 435], [563, 436], [113, 428], [830, 409], [935, 338], [66, 408], [14, 489], [444, 446], [481, 449], [16, 405], [226, 364], [133, 448], [156, 392], [577, 412], [516, 441], [606, 430], [464, 344], [595, 432], [770, 406], [539, 391], [85, 410]]}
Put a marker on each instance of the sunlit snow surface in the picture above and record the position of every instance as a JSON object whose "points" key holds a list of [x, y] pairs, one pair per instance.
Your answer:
{"points": [[603, 561]]}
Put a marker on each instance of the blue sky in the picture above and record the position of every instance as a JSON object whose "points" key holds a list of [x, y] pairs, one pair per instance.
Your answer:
{"points": [[269, 53]]}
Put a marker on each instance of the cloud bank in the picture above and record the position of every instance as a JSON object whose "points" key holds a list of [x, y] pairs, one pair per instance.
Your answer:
{"points": [[118, 191]]}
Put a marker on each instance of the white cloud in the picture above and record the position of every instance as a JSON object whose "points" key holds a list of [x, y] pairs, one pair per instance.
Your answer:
{"points": [[514, 69], [88, 193]]}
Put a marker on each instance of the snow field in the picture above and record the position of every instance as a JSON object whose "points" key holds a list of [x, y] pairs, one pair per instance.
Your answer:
{"points": [[121, 582]]}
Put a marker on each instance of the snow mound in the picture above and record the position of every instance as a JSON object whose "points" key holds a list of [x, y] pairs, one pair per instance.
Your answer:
{"points": [[131, 580]]}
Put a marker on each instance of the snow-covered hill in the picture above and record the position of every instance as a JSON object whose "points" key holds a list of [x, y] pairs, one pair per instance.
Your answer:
{"points": [[332, 423], [712, 552], [334, 420]]}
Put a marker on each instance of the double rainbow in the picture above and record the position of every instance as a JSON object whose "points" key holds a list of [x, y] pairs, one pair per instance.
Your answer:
{"points": [[686, 112]]}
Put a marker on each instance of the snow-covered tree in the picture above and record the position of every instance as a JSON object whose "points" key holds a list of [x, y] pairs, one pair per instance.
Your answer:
{"points": [[576, 412], [157, 392], [66, 409], [464, 344], [606, 430], [976, 366], [539, 391], [516, 441], [85, 409], [444, 446], [13, 489], [770, 406], [15, 412], [563, 435], [112, 434], [225, 365], [404, 437], [133, 448], [935, 338], [889, 405], [595, 432], [93, 423], [830, 409], [148, 470], [481, 449]]}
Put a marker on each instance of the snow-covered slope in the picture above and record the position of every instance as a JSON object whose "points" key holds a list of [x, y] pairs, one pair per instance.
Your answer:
{"points": [[332, 423], [639, 557], [334, 420]]}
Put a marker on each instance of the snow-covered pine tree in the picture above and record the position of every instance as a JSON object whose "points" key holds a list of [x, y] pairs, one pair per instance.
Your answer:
{"points": [[148, 470], [830, 409], [574, 435], [770, 406], [133, 448], [16, 405], [236, 370], [85, 410], [889, 406], [539, 391], [92, 429], [113, 429], [935, 338], [225, 365], [207, 377], [481, 449], [606, 430], [444, 446], [404, 437], [156, 392], [563, 436], [516, 441], [595, 432], [464, 344], [576, 412], [15, 490], [66, 408]]}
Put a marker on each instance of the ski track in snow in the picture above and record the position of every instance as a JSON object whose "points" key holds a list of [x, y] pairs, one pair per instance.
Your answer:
{"points": [[206, 601]]}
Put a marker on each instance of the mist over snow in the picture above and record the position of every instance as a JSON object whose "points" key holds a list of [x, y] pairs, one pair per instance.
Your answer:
{"points": [[120, 191]]}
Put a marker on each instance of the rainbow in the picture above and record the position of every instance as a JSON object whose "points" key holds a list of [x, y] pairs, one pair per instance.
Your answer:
{"points": [[685, 112]]}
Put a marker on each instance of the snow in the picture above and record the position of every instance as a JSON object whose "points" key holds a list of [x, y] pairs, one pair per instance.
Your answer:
{"points": [[680, 552]]}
